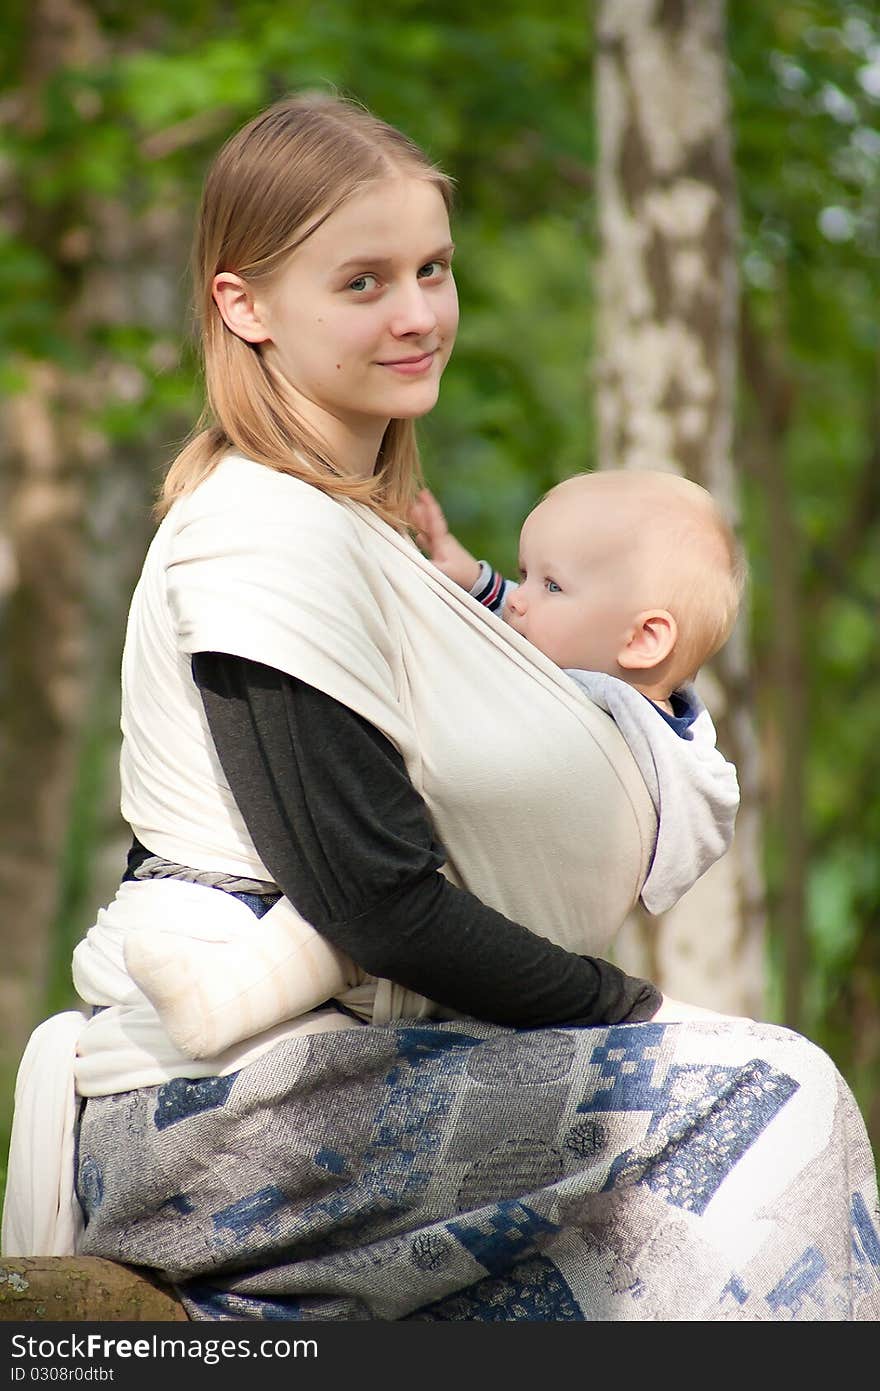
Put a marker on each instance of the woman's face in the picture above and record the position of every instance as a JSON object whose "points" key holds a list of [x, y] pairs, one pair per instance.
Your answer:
{"points": [[362, 319]]}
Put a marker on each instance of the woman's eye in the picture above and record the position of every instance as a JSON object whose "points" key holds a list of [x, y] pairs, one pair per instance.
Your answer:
{"points": [[552, 587], [363, 283]]}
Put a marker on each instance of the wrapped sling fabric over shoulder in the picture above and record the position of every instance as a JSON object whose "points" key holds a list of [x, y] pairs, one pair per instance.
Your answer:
{"points": [[499, 743]]}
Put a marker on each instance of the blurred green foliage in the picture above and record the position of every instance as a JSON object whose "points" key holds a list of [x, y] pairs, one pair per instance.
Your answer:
{"points": [[501, 97], [806, 95]]}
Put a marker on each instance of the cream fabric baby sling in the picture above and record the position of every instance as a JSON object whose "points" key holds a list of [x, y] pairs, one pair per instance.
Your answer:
{"points": [[534, 794]]}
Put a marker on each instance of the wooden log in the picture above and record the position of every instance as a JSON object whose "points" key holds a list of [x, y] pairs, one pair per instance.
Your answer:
{"points": [[82, 1289]]}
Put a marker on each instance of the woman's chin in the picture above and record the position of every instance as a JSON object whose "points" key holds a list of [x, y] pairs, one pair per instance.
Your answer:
{"points": [[410, 405]]}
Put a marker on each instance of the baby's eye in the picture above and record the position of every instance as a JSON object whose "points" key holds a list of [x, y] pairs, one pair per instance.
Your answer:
{"points": [[431, 269], [363, 283], [552, 587]]}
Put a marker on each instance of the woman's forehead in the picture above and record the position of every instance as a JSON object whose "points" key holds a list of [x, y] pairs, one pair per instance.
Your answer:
{"points": [[384, 220]]}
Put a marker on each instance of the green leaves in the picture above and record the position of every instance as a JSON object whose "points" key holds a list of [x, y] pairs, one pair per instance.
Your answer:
{"points": [[157, 90]]}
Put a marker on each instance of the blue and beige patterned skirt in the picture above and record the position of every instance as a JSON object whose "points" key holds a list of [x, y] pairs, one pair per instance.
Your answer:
{"points": [[460, 1171]]}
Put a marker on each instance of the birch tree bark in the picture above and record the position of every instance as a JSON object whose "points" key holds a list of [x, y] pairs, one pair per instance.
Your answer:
{"points": [[666, 366]]}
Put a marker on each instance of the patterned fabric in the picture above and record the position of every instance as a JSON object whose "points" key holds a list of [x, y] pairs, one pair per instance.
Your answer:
{"points": [[460, 1171]]}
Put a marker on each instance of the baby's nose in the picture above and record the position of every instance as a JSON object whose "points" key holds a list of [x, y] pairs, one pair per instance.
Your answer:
{"points": [[516, 600]]}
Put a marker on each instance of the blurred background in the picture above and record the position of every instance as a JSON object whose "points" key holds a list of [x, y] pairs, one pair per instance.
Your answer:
{"points": [[668, 254]]}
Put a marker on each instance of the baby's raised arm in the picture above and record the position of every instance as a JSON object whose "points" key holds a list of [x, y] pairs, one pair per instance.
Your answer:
{"points": [[435, 538]]}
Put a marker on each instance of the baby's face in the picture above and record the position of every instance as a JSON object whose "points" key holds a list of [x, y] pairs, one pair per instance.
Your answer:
{"points": [[576, 599]]}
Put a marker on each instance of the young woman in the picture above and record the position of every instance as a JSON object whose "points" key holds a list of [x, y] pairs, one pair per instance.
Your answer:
{"points": [[314, 716]]}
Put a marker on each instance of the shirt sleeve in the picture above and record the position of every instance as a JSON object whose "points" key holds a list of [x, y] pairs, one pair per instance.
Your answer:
{"points": [[491, 589], [337, 822]]}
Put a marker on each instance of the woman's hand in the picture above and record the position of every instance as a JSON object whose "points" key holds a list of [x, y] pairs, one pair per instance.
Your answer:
{"points": [[437, 541]]}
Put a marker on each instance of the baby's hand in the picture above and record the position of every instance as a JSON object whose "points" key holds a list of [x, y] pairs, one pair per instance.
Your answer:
{"points": [[437, 541]]}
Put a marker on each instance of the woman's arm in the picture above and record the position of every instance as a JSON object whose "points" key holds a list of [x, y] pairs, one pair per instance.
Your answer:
{"points": [[336, 820]]}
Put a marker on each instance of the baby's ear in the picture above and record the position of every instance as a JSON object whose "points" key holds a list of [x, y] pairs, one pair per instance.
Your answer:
{"points": [[651, 640]]}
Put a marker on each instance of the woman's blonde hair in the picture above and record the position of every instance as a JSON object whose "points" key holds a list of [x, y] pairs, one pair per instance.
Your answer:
{"points": [[272, 184]]}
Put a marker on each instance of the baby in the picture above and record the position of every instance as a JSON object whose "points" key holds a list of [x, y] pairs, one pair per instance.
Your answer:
{"points": [[630, 580]]}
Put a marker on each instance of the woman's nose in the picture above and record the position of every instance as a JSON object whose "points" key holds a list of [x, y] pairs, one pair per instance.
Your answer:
{"points": [[414, 313]]}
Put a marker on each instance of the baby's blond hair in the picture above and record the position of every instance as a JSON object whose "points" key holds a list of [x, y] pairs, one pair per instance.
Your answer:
{"points": [[693, 560]]}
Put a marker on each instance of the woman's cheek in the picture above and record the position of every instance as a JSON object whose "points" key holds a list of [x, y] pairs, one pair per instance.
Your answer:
{"points": [[450, 318]]}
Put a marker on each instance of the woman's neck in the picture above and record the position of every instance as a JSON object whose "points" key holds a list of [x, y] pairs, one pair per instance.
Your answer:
{"points": [[355, 451], [351, 443]]}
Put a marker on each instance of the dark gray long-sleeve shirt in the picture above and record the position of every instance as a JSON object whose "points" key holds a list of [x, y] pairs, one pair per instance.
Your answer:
{"points": [[334, 817]]}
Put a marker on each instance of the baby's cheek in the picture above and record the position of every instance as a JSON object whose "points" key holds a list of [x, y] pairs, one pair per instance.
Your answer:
{"points": [[558, 642]]}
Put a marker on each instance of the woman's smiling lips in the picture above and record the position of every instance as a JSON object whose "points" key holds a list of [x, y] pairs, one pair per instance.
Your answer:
{"points": [[411, 366]]}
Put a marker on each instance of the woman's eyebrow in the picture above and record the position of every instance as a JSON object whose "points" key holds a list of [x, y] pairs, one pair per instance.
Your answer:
{"points": [[358, 262]]}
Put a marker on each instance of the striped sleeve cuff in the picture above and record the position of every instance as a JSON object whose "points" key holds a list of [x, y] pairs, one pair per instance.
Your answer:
{"points": [[491, 589]]}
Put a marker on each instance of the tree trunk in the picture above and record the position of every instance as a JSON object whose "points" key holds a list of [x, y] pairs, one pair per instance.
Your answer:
{"points": [[43, 627], [667, 286], [786, 720], [74, 525]]}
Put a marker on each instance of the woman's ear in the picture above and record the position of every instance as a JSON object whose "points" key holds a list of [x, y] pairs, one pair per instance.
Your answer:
{"points": [[239, 310], [651, 640]]}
